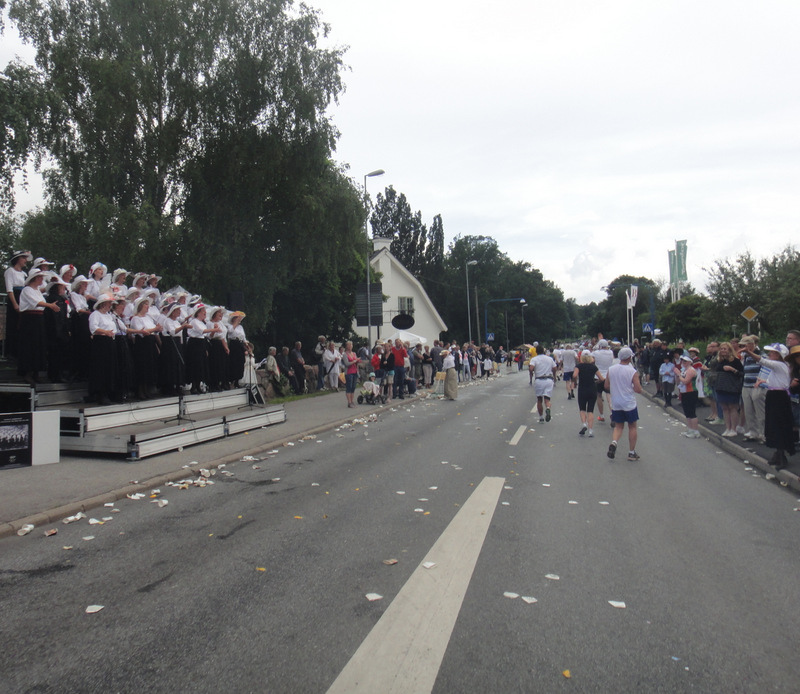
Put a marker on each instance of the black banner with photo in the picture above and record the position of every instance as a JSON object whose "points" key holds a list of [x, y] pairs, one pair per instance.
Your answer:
{"points": [[15, 439]]}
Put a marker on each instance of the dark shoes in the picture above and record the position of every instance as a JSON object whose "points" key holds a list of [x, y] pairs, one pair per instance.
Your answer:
{"points": [[612, 450]]}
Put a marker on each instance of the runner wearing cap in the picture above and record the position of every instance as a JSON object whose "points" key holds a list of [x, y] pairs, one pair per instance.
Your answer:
{"points": [[623, 383]]}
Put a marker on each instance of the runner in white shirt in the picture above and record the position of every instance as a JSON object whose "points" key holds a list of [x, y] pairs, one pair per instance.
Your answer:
{"points": [[623, 384], [543, 369], [569, 359], [603, 359]]}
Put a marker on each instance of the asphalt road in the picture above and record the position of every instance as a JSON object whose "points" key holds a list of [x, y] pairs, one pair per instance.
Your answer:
{"points": [[257, 583]]}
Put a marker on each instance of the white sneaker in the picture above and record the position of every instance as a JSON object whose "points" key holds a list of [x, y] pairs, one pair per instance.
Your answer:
{"points": [[590, 434], [728, 433]]}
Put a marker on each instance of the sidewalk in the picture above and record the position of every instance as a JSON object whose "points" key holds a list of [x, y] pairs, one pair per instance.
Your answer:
{"points": [[47, 493], [753, 452]]}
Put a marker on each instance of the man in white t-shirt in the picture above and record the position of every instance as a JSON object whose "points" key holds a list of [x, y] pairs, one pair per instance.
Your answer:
{"points": [[623, 383], [543, 370], [603, 359], [569, 359]]}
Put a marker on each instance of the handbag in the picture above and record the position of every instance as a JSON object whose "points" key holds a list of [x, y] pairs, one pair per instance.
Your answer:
{"points": [[729, 382], [342, 379]]}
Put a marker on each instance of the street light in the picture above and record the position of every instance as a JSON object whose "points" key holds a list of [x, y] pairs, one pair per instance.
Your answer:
{"points": [[522, 308], [377, 172], [469, 318], [486, 313]]}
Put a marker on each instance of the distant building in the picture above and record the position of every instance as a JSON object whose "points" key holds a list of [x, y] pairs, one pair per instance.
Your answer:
{"points": [[404, 295]]}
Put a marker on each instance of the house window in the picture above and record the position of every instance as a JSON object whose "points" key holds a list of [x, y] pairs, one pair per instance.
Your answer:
{"points": [[405, 304]]}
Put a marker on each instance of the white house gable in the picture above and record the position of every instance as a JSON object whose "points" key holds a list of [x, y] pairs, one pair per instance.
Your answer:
{"points": [[403, 292]]}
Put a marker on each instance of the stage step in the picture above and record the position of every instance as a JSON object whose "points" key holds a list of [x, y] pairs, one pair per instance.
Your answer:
{"points": [[84, 420], [143, 428], [159, 438]]}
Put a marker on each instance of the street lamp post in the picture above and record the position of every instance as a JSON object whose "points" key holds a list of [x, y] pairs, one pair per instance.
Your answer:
{"points": [[486, 312], [522, 308], [377, 172], [469, 317]]}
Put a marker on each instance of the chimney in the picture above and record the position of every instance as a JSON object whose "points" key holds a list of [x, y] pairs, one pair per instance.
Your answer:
{"points": [[381, 242]]}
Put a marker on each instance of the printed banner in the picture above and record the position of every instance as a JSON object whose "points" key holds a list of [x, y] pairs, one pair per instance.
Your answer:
{"points": [[680, 265]]}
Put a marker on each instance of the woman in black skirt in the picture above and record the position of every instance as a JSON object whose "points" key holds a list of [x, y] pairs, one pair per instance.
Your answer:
{"points": [[81, 345], [103, 373], [14, 280], [218, 351], [197, 348], [145, 349], [171, 371], [776, 376], [56, 326], [31, 338], [236, 344], [123, 348]]}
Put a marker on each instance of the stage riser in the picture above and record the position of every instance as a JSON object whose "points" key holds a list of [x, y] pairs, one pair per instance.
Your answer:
{"points": [[138, 446], [140, 429], [90, 419]]}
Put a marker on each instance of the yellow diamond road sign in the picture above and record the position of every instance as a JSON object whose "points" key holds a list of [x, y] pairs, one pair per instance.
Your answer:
{"points": [[749, 313]]}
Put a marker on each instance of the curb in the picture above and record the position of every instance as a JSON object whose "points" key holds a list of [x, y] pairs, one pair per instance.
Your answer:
{"points": [[56, 514], [785, 477]]}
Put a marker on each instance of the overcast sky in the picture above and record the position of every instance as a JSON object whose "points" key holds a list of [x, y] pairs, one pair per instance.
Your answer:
{"points": [[586, 137]]}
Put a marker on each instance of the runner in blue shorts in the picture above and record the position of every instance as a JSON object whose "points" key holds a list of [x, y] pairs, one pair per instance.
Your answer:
{"points": [[623, 384]]}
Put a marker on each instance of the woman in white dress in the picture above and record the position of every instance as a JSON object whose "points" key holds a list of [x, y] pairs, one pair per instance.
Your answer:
{"points": [[32, 343], [103, 373], [450, 379], [236, 344], [330, 362], [15, 280], [145, 349]]}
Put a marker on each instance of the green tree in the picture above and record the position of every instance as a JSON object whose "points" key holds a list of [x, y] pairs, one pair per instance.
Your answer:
{"points": [[392, 218], [433, 261], [22, 107], [494, 277], [692, 318], [770, 285], [610, 315], [191, 137], [9, 237]]}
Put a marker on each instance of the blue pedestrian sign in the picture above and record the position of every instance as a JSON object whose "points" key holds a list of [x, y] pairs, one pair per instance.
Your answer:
{"points": [[489, 337], [647, 328]]}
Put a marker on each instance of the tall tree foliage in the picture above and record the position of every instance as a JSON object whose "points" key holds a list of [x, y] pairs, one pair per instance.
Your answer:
{"points": [[610, 316], [22, 108], [770, 285], [393, 219], [433, 261], [190, 136], [496, 276], [691, 318]]}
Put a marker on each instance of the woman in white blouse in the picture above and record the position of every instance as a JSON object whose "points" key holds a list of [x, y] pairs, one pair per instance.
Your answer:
{"points": [[81, 335], [331, 360], [145, 349], [197, 348], [103, 372], [32, 346], [171, 374], [236, 346], [217, 351], [15, 280], [97, 282]]}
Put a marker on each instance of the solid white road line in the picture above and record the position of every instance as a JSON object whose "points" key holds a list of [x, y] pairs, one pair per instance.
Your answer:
{"points": [[404, 650], [515, 439]]}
